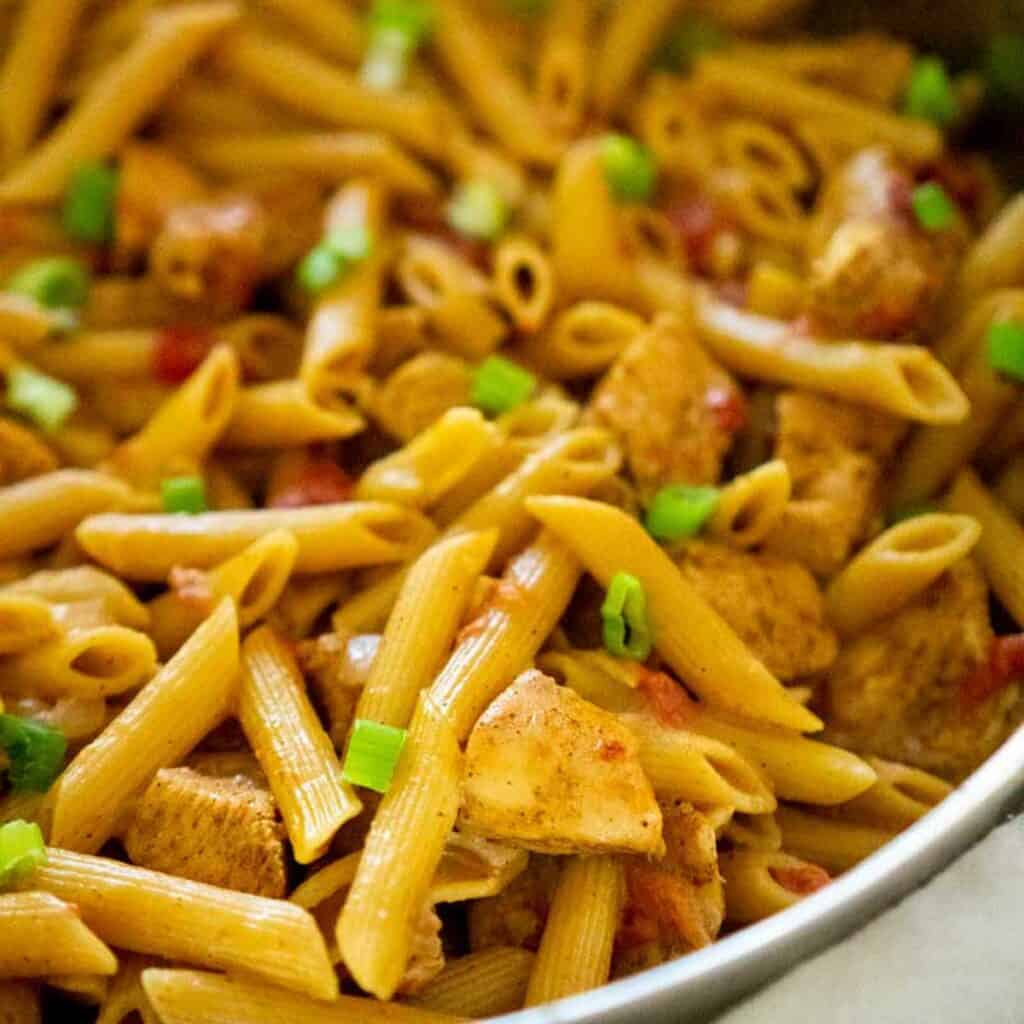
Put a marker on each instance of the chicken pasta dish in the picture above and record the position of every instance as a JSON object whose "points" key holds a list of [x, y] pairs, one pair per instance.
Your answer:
{"points": [[495, 495]]}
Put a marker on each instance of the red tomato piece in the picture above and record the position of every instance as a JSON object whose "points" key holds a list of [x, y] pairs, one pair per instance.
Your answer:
{"points": [[729, 407], [1005, 665], [803, 880], [179, 351], [320, 482], [667, 700]]}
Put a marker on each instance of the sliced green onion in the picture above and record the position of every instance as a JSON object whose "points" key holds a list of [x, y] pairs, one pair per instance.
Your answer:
{"points": [[320, 268], [500, 385], [1004, 67], [89, 203], [690, 37], [397, 29], [35, 753], [22, 850], [478, 210], [373, 753], [627, 633], [930, 93], [1006, 348], [352, 243], [629, 168], [184, 494], [679, 511], [44, 400], [58, 282], [933, 209]]}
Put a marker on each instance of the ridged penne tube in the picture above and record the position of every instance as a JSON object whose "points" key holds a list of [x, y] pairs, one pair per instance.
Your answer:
{"points": [[691, 636], [330, 157], [177, 919], [163, 722], [38, 512], [203, 103], [498, 98], [480, 985], [455, 296], [84, 583], [766, 207], [757, 147], [900, 796], [21, 1003], [582, 341], [994, 260], [632, 31], [331, 26], [724, 80], [305, 600], [750, 505], [575, 951], [895, 567], [563, 77], [933, 455], [402, 850], [673, 127], [290, 743], [1001, 547], [752, 887], [298, 79], [423, 625], [835, 845], [44, 935], [98, 661], [533, 593], [268, 346], [330, 537], [903, 379], [121, 96], [254, 579], [184, 429], [25, 622], [752, 832], [43, 36], [282, 414], [91, 355], [342, 328], [523, 281], [586, 233], [686, 765], [194, 997], [433, 462]]}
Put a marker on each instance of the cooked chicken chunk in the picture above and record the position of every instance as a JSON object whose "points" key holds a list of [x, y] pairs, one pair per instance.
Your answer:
{"points": [[774, 605], [877, 273], [337, 667], [517, 915], [674, 905], [426, 955], [548, 771], [671, 406], [223, 831], [833, 451], [894, 690]]}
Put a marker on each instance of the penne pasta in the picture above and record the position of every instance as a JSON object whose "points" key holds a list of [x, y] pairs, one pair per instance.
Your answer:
{"points": [[759, 883], [483, 984], [291, 746], [834, 845], [900, 796], [330, 537], [751, 505]]}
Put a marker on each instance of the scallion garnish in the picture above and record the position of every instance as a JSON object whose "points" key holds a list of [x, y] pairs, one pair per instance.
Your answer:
{"points": [[930, 93], [397, 29], [373, 753], [185, 494], [35, 753], [679, 511], [44, 400], [1006, 348], [22, 850], [89, 203], [478, 210], [933, 208], [500, 385], [58, 282], [627, 633], [629, 168]]}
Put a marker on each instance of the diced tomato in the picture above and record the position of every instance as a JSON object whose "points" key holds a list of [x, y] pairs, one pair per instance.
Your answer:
{"points": [[661, 901], [319, 482], [667, 700], [1005, 665], [729, 407], [802, 879], [698, 221], [179, 351], [611, 750], [901, 195]]}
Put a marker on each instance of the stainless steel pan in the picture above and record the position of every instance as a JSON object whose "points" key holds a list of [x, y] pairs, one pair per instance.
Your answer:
{"points": [[695, 987]]}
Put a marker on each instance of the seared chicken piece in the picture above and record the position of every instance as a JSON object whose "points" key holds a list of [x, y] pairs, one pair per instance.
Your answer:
{"points": [[337, 667], [833, 451], [774, 605], [223, 831], [426, 955], [877, 272], [548, 771], [895, 690], [517, 915], [672, 407], [674, 905]]}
